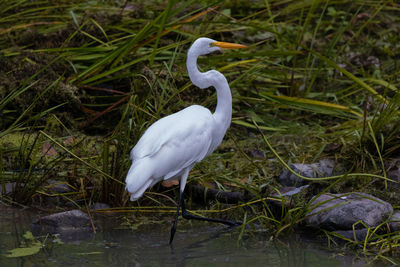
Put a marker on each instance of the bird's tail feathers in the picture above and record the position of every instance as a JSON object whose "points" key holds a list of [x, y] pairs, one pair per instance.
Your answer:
{"points": [[138, 179]]}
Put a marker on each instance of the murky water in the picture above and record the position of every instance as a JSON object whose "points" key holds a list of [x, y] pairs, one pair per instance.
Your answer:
{"points": [[195, 244]]}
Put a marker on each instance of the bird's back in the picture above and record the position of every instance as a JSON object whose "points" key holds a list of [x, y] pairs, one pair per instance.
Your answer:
{"points": [[176, 127]]}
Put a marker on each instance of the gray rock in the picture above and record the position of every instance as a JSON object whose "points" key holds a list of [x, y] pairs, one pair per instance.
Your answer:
{"points": [[287, 196], [289, 191], [342, 211], [9, 188], [70, 225], [58, 187], [324, 168], [394, 222], [354, 235], [394, 175], [255, 153], [99, 206]]}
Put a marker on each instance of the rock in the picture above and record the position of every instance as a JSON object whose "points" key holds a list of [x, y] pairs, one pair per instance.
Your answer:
{"points": [[356, 235], [287, 197], [324, 168], [53, 197], [99, 206], [73, 219], [70, 225], [394, 222], [286, 194], [289, 191], [255, 153], [58, 187], [9, 188], [342, 211], [394, 175]]}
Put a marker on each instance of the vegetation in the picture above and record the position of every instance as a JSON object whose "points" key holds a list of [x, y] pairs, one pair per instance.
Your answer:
{"points": [[82, 80]]}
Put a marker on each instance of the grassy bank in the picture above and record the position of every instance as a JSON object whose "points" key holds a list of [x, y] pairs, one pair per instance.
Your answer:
{"points": [[82, 81]]}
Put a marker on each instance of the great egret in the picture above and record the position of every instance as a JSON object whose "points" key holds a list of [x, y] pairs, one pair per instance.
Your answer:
{"points": [[172, 145]]}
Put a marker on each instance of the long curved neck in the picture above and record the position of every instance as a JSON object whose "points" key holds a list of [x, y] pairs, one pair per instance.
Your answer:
{"points": [[223, 111]]}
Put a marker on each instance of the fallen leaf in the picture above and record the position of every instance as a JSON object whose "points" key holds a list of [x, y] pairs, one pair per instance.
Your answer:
{"points": [[48, 150], [69, 141]]}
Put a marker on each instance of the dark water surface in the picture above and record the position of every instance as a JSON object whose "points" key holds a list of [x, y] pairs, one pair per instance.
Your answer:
{"points": [[195, 244]]}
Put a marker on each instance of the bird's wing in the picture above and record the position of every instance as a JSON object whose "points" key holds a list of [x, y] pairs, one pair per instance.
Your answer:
{"points": [[177, 141]]}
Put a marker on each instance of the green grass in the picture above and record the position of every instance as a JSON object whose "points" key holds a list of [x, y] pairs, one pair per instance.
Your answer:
{"points": [[317, 74]]}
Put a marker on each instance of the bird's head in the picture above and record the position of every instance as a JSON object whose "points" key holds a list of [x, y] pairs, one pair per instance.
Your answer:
{"points": [[204, 46]]}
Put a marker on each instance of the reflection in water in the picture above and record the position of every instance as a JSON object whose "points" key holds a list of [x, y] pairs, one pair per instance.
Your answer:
{"points": [[196, 243]]}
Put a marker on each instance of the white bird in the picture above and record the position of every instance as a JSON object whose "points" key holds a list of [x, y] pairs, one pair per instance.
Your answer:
{"points": [[171, 146]]}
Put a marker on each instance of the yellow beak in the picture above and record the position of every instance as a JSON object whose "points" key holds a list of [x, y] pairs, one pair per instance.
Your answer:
{"points": [[228, 45]]}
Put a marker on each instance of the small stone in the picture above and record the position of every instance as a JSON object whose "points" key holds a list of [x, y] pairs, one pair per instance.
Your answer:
{"points": [[9, 188], [289, 191], [394, 222], [394, 175], [58, 187], [99, 206], [324, 168], [255, 153], [287, 195], [70, 225], [67, 219], [354, 235], [342, 211]]}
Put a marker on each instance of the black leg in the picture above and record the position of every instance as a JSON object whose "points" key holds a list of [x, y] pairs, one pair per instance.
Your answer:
{"points": [[188, 216], [173, 229]]}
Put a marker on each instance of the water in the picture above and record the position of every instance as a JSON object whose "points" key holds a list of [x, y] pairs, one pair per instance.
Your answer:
{"points": [[195, 244]]}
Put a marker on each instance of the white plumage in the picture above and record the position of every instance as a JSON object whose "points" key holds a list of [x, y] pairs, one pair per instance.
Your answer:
{"points": [[172, 145]]}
